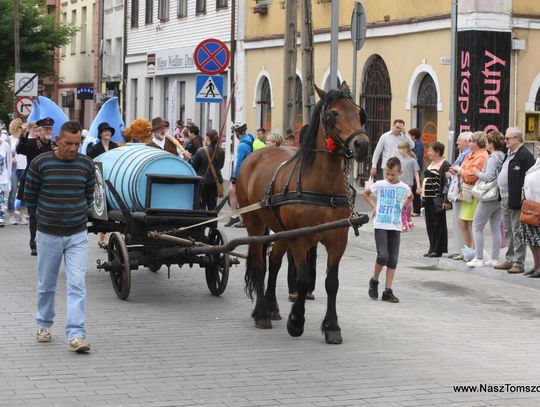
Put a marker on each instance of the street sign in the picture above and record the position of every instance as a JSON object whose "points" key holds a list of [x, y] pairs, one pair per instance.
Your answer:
{"points": [[358, 26], [212, 56], [26, 84], [23, 106], [209, 89]]}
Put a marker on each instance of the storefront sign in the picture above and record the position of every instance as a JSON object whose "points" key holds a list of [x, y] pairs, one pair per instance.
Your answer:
{"points": [[483, 81], [174, 61]]}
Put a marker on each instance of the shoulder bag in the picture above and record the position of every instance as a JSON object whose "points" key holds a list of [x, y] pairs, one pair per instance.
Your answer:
{"points": [[219, 184], [465, 192], [486, 190], [530, 213]]}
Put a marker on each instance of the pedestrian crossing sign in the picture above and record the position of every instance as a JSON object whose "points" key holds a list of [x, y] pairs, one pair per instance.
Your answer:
{"points": [[209, 89]]}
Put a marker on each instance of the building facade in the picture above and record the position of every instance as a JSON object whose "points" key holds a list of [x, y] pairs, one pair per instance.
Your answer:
{"points": [[404, 66], [161, 74], [77, 69]]}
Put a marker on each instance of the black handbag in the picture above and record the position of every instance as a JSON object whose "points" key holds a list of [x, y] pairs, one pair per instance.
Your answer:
{"points": [[438, 204]]}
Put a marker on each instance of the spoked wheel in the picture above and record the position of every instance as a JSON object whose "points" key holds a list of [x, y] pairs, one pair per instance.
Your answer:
{"points": [[154, 267], [217, 274], [120, 272]]}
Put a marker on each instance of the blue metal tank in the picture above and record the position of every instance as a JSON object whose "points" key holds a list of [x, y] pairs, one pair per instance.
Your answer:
{"points": [[127, 168]]}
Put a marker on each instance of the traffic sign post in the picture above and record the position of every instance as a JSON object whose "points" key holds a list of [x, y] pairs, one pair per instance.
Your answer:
{"points": [[209, 89], [26, 84], [23, 106], [212, 56], [358, 36]]}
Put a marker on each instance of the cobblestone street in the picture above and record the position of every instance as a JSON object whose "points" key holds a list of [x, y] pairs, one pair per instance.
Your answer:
{"points": [[172, 343]]}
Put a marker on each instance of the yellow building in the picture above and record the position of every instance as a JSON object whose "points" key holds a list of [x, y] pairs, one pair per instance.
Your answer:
{"points": [[404, 67]]}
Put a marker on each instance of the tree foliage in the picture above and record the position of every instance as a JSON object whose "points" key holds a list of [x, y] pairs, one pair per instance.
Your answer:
{"points": [[39, 35]]}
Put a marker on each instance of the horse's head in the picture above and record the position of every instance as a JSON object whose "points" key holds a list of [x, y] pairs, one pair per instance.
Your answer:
{"points": [[343, 121]]}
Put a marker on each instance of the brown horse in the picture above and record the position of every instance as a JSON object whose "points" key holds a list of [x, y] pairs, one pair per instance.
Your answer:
{"points": [[303, 187]]}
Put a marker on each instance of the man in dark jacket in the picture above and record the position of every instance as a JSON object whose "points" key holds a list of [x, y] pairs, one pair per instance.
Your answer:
{"points": [[510, 181], [31, 148]]}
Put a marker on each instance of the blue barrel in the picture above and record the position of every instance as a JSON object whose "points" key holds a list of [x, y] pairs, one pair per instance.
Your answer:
{"points": [[127, 168]]}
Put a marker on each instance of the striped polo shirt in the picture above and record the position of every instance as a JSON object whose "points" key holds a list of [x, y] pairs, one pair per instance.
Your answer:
{"points": [[60, 193]]}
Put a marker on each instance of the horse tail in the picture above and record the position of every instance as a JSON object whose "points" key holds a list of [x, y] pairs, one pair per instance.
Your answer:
{"points": [[249, 277]]}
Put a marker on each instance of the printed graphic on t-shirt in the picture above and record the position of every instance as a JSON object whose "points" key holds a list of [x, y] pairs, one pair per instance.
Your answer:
{"points": [[390, 199]]}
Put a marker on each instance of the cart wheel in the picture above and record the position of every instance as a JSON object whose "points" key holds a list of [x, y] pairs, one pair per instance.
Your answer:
{"points": [[217, 274], [120, 272]]}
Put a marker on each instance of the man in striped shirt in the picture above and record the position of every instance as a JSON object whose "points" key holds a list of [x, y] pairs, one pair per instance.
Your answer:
{"points": [[59, 191]]}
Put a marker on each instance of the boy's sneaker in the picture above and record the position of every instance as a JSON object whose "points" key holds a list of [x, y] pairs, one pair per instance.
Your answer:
{"points": [[389, 296], [79, 345], [2, 224], [12, 220], [43, 335], [373, 289]]}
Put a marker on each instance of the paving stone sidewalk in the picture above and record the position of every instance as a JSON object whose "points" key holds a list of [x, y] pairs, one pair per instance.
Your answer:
{"points": [[173, 344]]}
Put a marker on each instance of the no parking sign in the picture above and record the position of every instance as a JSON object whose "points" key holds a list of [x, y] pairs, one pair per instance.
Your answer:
{"points": [[212, 56]]}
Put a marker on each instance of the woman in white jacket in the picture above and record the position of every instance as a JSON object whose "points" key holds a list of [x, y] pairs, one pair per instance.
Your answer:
{"points": [[530, 235], [5, 177]]}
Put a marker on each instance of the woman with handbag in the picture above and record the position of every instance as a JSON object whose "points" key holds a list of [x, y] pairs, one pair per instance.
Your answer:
{"points": [[208, 162], [434, 200], [530, 234], [489, 209], [475, 160]]}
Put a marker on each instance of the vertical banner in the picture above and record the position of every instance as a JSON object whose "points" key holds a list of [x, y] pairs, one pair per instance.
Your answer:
{"points": [[483, 81]]}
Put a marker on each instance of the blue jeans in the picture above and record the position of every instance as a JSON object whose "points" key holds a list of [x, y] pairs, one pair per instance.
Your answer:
{"points": [[74, 250]]}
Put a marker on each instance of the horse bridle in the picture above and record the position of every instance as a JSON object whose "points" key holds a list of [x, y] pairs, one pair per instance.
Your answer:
{"points": [[328, 120]]}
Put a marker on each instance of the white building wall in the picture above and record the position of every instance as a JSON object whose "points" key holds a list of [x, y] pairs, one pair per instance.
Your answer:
{"points": [[113, 34]]}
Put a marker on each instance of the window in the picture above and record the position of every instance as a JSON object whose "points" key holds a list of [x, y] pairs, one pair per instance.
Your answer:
{"points": [[299, 114], [84, 25], [118, 54], [165, 98], [149, 11], [64, 22], [376, 99], [150, 91], [107, 57], [135, 97], [182, 8], [73, 49], [200, 6], [163, 9], [426, 111], [134, 13], [182, 100], [537, 101], [265, 119], [221, 4]]}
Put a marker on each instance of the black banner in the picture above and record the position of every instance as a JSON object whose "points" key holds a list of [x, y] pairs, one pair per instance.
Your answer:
{"points": [[483, 81]]}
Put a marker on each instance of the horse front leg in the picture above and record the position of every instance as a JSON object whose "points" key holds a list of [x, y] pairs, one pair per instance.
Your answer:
{"points": [[255, 275], [274, 265], [330, 326]]}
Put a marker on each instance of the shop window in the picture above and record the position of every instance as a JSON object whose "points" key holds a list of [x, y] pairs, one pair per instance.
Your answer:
{"points": [[265, 102], [376, 99]]}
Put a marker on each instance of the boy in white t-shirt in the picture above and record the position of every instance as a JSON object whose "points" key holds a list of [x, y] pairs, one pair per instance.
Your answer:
{"points": [[392, 197]]}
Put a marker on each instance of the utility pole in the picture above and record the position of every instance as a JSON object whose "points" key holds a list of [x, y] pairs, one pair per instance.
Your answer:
{"points": [[16, 23], [334, 45], [308, 95], [289, 67]]}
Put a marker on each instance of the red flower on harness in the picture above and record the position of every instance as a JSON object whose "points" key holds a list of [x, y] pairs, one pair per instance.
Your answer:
{"points": [[331, 144]]}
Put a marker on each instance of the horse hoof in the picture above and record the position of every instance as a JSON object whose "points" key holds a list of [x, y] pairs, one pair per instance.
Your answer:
{"points": [[263, 324], [333, 337], [275, 316], [295, 328]]}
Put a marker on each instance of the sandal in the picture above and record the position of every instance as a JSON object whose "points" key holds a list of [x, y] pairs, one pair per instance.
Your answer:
{"points": [[103, 245]]}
